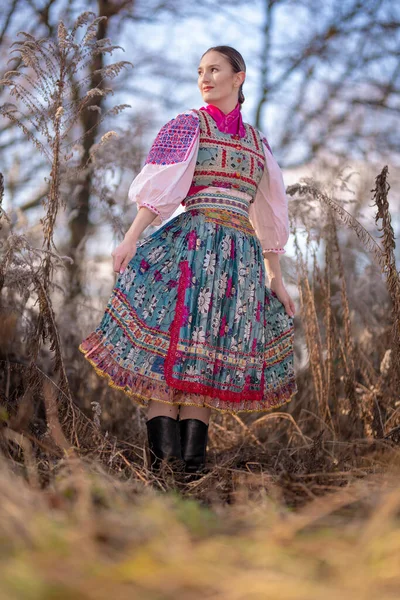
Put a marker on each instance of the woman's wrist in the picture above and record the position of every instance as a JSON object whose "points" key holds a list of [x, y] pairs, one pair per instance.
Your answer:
{"points": [[143, 219], [131, 237], [276, 285], [273, 267]]}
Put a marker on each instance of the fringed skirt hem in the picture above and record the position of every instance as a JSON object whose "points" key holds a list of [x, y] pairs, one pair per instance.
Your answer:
{"points": [[153, 390]]}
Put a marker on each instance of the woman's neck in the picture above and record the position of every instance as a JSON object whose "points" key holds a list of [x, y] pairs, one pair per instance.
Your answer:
{"points": [[226, 106]]}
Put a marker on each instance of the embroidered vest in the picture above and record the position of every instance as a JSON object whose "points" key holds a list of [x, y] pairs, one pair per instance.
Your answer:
{"points": [[226, 160]]}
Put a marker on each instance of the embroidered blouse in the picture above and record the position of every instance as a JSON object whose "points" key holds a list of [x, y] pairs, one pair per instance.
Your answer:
{"points": [[167, 176]]}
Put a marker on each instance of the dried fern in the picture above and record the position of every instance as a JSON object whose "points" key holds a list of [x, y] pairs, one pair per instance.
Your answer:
{"points": [[44, 85], [50, 100], [311, 191], [330, 338], [380, 198]]}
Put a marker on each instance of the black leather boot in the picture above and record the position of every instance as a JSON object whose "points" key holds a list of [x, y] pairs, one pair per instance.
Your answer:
{"points": [[164, 441], [194, 435]]}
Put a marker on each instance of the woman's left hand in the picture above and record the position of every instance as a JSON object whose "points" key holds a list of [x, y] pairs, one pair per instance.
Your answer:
{"points": [[283, 296]]}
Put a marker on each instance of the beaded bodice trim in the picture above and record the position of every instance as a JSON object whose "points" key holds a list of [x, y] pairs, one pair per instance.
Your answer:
{"points": [[228, 161]]}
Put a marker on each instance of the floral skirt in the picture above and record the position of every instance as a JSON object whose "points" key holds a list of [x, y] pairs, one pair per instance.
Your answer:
{"points": [[192, 322]]}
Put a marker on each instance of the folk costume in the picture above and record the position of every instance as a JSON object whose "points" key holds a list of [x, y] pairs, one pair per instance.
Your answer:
{"points": [[191, 320]]}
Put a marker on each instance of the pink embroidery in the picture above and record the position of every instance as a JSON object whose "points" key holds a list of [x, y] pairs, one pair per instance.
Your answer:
{"points": [[185, 315], [232, 248], [247, 383], [276, 250], [229, 287], [265, 141], [258, 311], [174, 141], [217, 367], [192, 237], [222, 326], [177, 322], [150, 207]]}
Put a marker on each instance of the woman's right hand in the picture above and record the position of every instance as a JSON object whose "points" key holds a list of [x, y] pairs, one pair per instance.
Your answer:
{"points": [[123, 254]]}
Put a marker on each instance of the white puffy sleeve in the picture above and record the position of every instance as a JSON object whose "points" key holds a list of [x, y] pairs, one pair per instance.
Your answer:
{"points": [[269, 211], [168, 171]]}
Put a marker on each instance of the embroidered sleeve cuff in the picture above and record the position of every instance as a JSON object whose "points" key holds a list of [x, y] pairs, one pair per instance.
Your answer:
{"points": [[152, 208], [275, 250]]}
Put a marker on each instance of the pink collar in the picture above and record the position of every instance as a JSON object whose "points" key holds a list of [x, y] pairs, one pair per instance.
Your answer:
{"points": [[230, 123]]}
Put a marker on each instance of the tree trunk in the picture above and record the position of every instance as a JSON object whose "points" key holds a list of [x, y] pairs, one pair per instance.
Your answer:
{"points": [[79, 224]]}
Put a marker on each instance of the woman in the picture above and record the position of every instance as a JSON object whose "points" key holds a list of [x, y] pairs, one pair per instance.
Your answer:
{"points": [[191, 325]]}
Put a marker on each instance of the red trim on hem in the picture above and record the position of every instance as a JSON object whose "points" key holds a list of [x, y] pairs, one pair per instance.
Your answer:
{"points": [[191, 386]]}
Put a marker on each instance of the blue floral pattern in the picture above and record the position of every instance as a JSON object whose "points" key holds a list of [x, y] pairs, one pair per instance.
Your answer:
{"points": [[191, 320]]}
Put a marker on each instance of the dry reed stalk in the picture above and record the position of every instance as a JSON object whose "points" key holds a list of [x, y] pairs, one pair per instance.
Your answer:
{"points": [[392, 275], [329, 322], [280, 415], [311, 327], [28, 455], [3, 215], [348, 354], [247, 430], [47, 327], [324, 289], [51, 404], [79, 477]]}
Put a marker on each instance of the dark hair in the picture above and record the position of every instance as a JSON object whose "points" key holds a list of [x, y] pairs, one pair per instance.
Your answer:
{"points": [[237, 63]]}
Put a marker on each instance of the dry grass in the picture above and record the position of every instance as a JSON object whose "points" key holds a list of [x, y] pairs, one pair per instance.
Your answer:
{"points": [[343, 380], [90, 536]]}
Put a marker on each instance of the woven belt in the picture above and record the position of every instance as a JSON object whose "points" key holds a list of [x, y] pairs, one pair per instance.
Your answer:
{"points": [[218, 198]]}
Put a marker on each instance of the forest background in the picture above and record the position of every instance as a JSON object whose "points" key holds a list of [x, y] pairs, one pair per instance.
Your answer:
{"points": [[323, 83]]}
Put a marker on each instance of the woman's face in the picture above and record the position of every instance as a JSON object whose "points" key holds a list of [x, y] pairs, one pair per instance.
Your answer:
{"points": [[217, 81]]}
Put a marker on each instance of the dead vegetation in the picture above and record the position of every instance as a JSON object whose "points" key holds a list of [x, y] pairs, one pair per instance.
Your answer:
{"points": [[89, 536]]}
